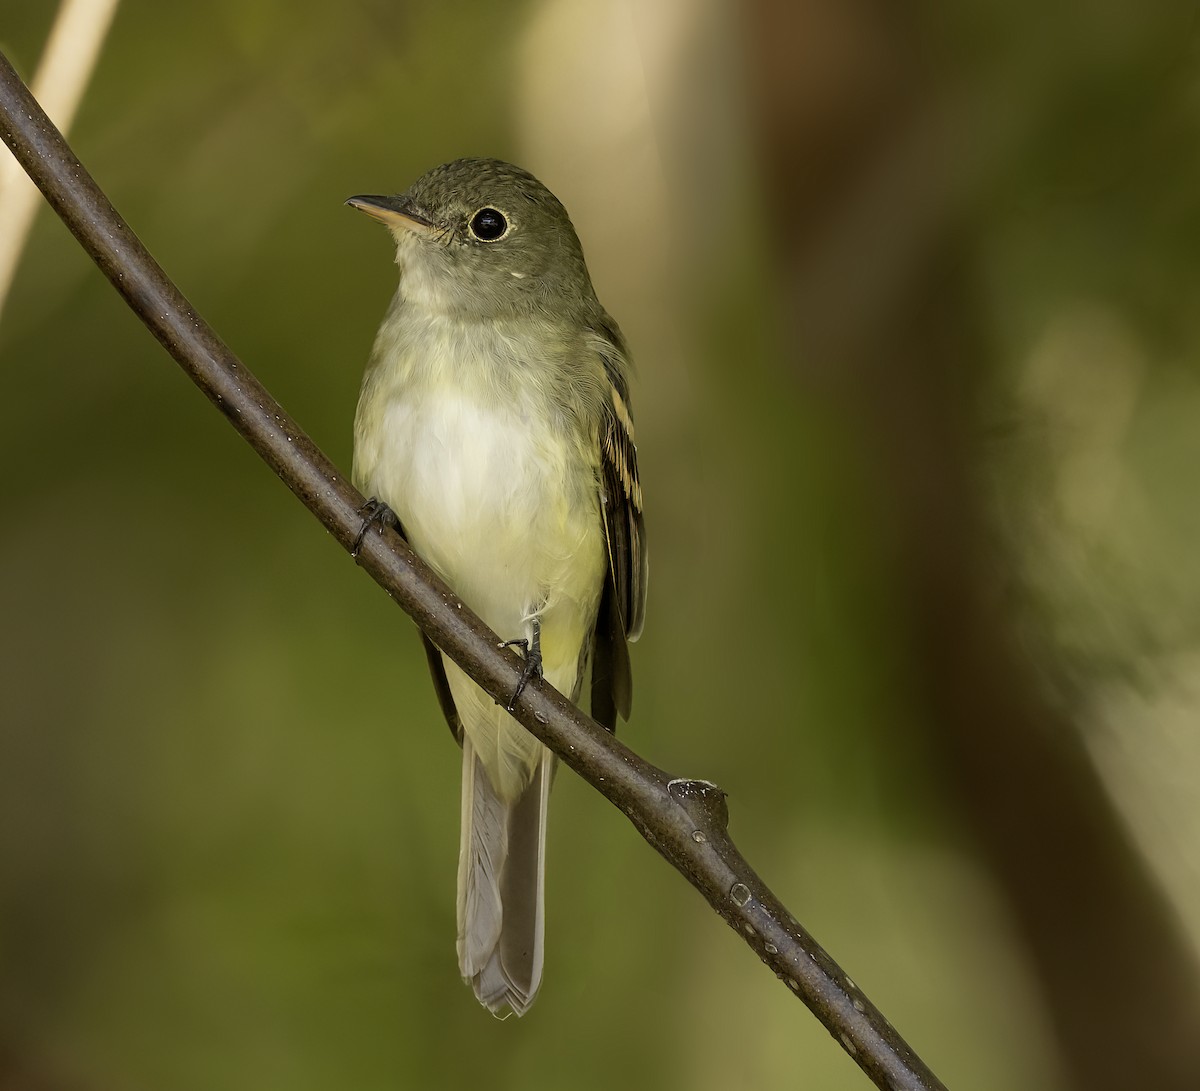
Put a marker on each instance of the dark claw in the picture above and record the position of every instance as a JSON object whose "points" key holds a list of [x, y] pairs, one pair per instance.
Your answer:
{"points": [[533, 661], [374, 513], [532, 669]]}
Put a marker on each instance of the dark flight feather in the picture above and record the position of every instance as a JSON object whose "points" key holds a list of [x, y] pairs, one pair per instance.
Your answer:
{"points": [[623, 602]]}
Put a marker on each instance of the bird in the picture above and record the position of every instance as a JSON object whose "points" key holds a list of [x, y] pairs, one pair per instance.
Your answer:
{"points": [[494, 428]]}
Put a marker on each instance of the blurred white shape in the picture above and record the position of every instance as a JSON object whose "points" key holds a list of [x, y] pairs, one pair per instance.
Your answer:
{"points": [[629, 112], [66, 66], [584, 118], [1112, 551], [1086, 375], [1147, 745]]}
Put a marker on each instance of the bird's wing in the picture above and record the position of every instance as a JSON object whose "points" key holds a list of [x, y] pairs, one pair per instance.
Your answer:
{"points": [[437, 671], [441, 686], [623, 602]]}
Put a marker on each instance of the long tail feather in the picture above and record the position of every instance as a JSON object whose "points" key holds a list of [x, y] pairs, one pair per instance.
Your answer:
{"points": [[501, 886]]}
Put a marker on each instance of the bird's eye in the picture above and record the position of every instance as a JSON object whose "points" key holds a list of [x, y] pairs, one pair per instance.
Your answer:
{"points": [[488, 225]]}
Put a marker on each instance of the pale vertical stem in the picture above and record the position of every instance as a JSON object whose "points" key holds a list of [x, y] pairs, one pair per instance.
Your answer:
{"points": [[68, 60]]}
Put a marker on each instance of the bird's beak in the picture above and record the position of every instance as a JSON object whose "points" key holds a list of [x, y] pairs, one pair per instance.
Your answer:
{"points": [[394, 212]]}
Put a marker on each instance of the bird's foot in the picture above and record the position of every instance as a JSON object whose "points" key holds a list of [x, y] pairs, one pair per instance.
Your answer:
{"points": [[532, 650], [375, 513]]}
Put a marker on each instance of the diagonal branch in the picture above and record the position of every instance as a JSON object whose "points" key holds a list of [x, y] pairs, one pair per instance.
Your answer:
{"points": [[685, 820]]}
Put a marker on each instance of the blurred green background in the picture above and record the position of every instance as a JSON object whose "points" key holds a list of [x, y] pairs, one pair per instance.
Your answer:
{"points": [[915, 301]]}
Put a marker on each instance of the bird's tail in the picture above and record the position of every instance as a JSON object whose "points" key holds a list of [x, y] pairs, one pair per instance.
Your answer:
{"points": [[501, 884]]}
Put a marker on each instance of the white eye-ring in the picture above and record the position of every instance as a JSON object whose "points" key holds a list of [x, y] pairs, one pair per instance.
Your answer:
{"points": [[488, 224]]}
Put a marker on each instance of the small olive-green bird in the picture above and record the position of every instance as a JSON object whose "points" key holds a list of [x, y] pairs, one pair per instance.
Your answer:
{"points": [[494, 421]]}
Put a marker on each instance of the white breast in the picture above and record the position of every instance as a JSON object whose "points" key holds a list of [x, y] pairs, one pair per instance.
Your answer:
{"points": [[499, 502]]}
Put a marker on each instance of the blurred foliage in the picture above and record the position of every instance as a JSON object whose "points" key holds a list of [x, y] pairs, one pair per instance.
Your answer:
{"points": [[228, 806]]}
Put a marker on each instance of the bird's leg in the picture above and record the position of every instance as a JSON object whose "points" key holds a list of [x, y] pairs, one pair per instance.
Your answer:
{"points": [[374, 512], [532, 650]]}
